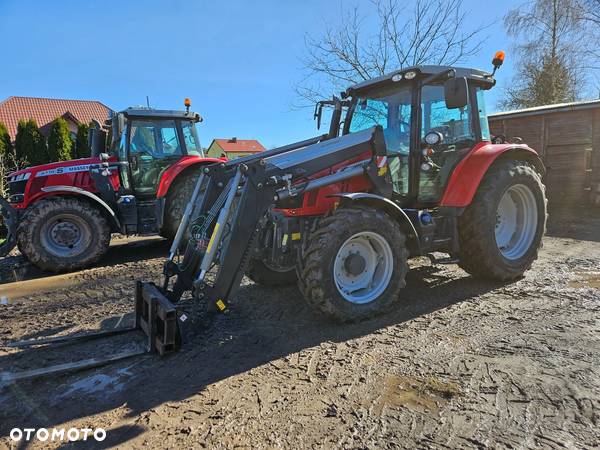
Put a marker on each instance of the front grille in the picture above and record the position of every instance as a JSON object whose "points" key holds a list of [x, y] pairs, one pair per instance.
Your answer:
{"points": [[17, 187]]}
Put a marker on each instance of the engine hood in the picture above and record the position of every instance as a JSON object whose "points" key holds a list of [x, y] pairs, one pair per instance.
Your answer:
{"points": [[57, 168]]}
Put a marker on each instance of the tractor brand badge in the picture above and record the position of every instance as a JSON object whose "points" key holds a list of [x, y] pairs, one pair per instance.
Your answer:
{"points": [[62, 170]]}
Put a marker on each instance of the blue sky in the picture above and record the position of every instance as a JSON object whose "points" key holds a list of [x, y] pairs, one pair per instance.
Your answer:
{"points": [[237, 60]]}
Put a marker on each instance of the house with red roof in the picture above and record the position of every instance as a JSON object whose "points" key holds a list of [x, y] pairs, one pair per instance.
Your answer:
{"points": [[233, 148], [45, 110]]}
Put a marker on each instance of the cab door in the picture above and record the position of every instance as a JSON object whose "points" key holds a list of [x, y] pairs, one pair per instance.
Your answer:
{"points": [[456, 125], [153, 147]]}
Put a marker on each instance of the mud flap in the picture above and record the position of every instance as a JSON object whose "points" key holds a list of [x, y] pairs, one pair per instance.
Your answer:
{"points": [[8, 227]]}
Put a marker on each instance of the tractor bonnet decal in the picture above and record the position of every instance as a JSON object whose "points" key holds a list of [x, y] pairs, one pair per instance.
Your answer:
{"points": [[61, 170]]}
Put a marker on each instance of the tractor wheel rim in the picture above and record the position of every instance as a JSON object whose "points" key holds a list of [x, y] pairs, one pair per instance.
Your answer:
{"points": [[516, 221], [363, 267], [279, 269], [66, 235]]}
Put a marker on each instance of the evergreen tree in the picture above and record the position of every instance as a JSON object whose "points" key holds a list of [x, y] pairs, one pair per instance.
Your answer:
{"points": [[59, 141], [7, 163], [82, 149], [30, 145], [6, 147]]}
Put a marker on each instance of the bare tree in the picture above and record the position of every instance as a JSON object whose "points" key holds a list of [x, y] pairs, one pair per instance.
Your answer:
{"points": [[551, 65], [589, 11], [424, 32]]}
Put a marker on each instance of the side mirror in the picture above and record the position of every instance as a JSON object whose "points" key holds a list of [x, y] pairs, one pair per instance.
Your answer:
{"points": [[318, 113], [96, 141], [456, 92]]}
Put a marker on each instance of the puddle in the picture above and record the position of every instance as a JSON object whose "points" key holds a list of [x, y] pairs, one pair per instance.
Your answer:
{"points": [[22, 289], [420, 394], [586, 280], [98, 383]]}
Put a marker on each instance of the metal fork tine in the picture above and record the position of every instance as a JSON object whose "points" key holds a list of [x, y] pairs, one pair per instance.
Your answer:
{"points": [[9, 377], [70, 338]]}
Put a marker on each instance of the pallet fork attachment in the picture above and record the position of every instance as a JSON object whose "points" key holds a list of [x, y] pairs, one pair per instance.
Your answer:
{"points": [[155, 316]]}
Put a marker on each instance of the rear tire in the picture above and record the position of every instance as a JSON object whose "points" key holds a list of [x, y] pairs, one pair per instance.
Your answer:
{"points": [[261, 274], [63, 234], [501, 231], [177, 199], [343, 250]]}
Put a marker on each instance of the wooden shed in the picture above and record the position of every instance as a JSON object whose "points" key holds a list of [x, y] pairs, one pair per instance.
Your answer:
{"points": [[567, 136]]}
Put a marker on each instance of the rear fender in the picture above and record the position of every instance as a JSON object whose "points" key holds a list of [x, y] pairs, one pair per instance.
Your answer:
{"points": [[95, 199], [391, 209], [173, 172], [467, 175]]}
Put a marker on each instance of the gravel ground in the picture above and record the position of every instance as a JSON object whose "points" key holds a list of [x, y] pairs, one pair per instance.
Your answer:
{"points": [[462, 363]]}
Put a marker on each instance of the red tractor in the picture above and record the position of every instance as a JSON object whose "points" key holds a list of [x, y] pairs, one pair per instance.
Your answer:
{"points": [[61, 215], [409, 170]]}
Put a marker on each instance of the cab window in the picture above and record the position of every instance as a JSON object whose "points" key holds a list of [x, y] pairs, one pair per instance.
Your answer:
{"points": [[391, 110], [456, 127], [483, 119], [153, 147], [158, 138], [190, 137], [455, 124]]}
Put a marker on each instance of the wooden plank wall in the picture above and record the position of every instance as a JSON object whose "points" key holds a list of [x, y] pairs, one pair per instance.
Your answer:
{"points": [[569, 143], [595, 159]]}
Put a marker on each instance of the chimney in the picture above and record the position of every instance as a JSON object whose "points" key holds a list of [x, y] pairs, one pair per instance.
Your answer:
{"points": [[233, 140]]}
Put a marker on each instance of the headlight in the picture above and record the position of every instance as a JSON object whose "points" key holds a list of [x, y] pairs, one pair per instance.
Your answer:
{"points": [[397, 77], [433, 138], [410, 74]]}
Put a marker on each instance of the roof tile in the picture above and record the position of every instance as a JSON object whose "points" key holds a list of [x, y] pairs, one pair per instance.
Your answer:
{"points": [[45, 110], [240, 145]]}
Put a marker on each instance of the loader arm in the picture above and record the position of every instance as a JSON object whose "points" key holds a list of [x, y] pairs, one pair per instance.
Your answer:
{"points": [[238, 194]]}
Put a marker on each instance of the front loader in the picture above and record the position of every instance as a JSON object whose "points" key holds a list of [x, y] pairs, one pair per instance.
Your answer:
{"points": [[407, 169]]}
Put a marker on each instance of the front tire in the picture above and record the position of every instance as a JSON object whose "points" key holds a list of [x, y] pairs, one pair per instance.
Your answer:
{"points": [[177, 199], [63, 234], [501, 231], [264, 275], [354, 264]]}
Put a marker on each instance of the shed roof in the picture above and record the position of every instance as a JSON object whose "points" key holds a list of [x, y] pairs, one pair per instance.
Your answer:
{"points": [[558, 107]]}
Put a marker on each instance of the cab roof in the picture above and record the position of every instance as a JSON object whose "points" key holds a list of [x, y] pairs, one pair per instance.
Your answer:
{"points": [[473, 74], [149, 113]]}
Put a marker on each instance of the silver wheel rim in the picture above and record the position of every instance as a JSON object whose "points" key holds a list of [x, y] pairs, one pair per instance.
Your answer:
{"points": [[66, 235], [516, 221], [363, 267]]}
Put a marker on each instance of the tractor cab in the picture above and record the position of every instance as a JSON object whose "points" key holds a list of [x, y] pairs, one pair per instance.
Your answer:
{"points": [[147, 142], [431, 116]]}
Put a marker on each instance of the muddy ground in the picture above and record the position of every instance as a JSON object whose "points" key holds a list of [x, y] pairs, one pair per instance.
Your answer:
{"points": [[461, 363]]}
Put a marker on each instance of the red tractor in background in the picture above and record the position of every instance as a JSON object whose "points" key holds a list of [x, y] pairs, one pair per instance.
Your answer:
{"points": [[145, 165]]}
